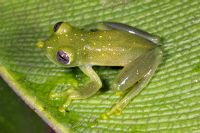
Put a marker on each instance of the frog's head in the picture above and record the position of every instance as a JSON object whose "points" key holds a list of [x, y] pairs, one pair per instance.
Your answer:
{"points": [[59, 46]]}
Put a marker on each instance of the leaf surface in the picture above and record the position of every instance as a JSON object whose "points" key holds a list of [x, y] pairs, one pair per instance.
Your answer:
{"points": [[15, 115], [170, 103]]}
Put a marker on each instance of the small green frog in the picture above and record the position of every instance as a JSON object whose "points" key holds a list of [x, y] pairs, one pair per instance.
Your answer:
{"points": [[105, 44]]}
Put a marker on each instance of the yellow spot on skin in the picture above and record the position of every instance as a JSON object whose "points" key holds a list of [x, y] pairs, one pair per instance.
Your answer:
{"points": [[40, 44], [82, 39]]}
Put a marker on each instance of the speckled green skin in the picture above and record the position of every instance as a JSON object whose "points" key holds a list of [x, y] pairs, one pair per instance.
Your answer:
{"points": [[106, 47]]}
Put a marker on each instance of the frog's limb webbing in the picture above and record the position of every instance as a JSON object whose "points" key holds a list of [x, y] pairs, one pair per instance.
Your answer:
{"points": [[90, 89], [129, 77]]}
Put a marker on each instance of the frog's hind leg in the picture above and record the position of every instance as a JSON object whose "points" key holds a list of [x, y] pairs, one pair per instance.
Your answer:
{"points": [[134, 76], [88, 90], [122, 27], [132, 30], [96, 27]]}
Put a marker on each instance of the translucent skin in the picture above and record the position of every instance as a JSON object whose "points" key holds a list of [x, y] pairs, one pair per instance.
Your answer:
{"points": [[113, 44]]}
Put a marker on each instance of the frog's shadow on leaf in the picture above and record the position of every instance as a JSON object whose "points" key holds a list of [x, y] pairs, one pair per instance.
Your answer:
{"points": [[106, 83]]}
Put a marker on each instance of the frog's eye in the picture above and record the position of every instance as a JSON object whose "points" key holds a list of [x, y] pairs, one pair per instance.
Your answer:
{"points": [[62, 28], [62, 57], [56, 26]]}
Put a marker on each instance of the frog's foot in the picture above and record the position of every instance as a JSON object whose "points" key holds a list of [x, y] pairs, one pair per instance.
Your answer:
{"points": [[115, 110], [64, 107], [59, 93], [87, 91], [71, 95]]}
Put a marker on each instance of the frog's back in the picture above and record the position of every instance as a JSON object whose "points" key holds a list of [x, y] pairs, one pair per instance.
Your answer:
{"points": [[114, 47]]}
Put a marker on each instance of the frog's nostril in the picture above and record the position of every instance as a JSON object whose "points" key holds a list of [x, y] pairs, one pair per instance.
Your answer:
{"points": [[56, 26]]}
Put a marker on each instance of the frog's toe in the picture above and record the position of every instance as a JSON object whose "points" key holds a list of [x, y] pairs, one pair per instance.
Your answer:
{"points": [[104, 116], [62, 109], [71, 95], [59, 93], [53, 96], [65, 106], [116, 110]]}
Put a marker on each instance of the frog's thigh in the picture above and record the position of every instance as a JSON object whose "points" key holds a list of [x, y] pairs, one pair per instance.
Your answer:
{"points": [[122, 27], [141, 70], [132, 30], [88, 90], [137, 69]]}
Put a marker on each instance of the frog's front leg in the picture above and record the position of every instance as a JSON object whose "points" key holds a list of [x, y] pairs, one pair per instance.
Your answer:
{"points": [[88, 90], [134, 77]]}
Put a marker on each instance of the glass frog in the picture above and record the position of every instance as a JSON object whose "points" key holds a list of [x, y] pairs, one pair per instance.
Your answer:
{"points": [[105, 44]]}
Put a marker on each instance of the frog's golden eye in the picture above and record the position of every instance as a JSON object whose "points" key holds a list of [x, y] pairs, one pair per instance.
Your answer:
{"points": [[63, 57], [56, 26]]}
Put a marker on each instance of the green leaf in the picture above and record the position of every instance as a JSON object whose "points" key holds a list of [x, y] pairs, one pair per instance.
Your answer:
{"points": [[15, 116], [170, 103]]}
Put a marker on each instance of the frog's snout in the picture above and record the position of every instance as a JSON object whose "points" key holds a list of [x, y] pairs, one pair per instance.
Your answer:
{"points": [[40, 44]]}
